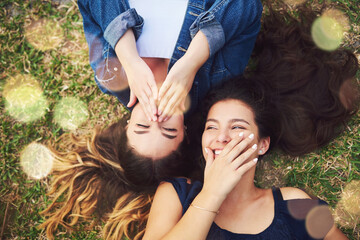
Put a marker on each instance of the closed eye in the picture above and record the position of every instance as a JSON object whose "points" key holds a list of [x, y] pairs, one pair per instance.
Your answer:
{"points": [[238, 127], [142, 126], [170, 129], [210, 127]]}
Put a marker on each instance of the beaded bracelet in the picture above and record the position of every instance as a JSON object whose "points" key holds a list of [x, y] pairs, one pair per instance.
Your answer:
{"points": [[204, 209]]}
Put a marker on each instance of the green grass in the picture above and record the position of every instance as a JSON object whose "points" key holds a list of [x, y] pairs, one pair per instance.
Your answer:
{"points": [[64, 71]]}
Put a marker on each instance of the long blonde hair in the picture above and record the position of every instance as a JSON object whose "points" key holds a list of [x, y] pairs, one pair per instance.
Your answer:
{"points": [[99, 179]]}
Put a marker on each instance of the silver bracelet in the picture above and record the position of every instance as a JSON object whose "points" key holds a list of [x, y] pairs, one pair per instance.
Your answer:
{"points": [[204, 209]]}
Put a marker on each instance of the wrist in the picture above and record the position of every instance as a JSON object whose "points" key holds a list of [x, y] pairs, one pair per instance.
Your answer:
{"points": [[126, 51], [209, 200]]}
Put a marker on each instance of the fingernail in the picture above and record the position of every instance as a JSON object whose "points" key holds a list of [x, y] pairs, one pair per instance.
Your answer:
{"points": [[167, 118], [154, 118], [241, 134], [251, 136], [255, 159], [206, 150], [254, 146], [159, 112]]}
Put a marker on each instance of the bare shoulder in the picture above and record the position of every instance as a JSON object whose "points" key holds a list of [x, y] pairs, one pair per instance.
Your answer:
{"points": [[293, 193], [165, 188]]}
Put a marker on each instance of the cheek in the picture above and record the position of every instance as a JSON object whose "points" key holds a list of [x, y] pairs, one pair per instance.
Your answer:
{"points": [[205, 139]]}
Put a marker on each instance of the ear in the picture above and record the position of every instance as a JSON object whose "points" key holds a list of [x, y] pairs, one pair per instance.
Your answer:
{"points": [[264, 145]]}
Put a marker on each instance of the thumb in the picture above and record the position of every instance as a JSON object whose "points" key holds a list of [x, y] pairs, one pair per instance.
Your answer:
{"points": [[132, 99], [209, 158]]}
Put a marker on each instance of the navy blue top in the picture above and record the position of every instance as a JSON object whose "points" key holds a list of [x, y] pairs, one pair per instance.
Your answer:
{"points": [[284, 225]]}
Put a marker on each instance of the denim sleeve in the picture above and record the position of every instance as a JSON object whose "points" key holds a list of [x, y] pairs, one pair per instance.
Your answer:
{"points": [[113, 17], [226, 19], [241, 42], [102, 56]]}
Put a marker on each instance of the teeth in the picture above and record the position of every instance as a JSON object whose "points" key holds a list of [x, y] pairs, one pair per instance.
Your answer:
{"points": [[217, 152]]}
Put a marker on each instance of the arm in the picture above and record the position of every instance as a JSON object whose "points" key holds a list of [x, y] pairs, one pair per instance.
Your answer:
{"points": [[114, 23], [165, 220], [335, 234], [221, 176], [179, 80], [99, 16], [140, 77], [295, 193], [228, 25]]}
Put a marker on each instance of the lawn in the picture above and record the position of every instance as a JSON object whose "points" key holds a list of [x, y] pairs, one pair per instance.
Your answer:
{"points": [[43, 49]]}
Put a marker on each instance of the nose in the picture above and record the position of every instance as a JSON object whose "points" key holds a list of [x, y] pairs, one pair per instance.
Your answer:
{"points": [[223, 136]]}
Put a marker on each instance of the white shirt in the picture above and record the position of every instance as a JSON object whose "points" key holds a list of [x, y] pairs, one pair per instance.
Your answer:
{"points": [[163, 20]]}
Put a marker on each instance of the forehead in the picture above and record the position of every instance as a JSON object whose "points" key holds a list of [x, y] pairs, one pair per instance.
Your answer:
{"points": [[151, 145], [230, 108]]}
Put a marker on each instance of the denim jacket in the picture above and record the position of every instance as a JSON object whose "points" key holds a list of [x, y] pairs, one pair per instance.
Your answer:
{"points": [[230, 26]]}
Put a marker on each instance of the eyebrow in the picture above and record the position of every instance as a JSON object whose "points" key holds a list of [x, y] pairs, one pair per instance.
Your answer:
{"points": [[164, 134], [232, 120]]}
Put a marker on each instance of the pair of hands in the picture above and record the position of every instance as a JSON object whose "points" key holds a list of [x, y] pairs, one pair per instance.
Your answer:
{"points": [[223, 173], [171, 95]]}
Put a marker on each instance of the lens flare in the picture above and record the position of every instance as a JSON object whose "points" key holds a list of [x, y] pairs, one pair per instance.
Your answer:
{"points": [[351, 197], [187, 103], [24, 97], [44, 34], [111, 75], [294, 3], [70, 113], [299, 208], [347, 212], [328, 30], [319, 221], [76, 49], [36, 160]]}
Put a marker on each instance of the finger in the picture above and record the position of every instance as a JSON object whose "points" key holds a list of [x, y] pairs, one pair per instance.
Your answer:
{"points": [[152, 92], [164, 88], [171, 99], [239, 148], [151, 101], [132, 99], [171, 106], [163, 102], [243, 157], [209, 157], [231, 144], [146, 108], [150, 104], [244, 168], [154, 89]]}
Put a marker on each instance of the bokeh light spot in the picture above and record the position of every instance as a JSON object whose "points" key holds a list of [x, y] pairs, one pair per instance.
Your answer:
{"points": [[294, 3], [44, 34], [351, 197], [347, 211], [298, 208], [187, 103], [36, 160], [328, 30], [24, 97], [111, 75], [319, 221], [70, 113], [76, 49]]}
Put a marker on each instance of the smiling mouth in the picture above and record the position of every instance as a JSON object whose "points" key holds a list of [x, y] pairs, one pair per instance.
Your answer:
{"points": [[217, 152]]}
